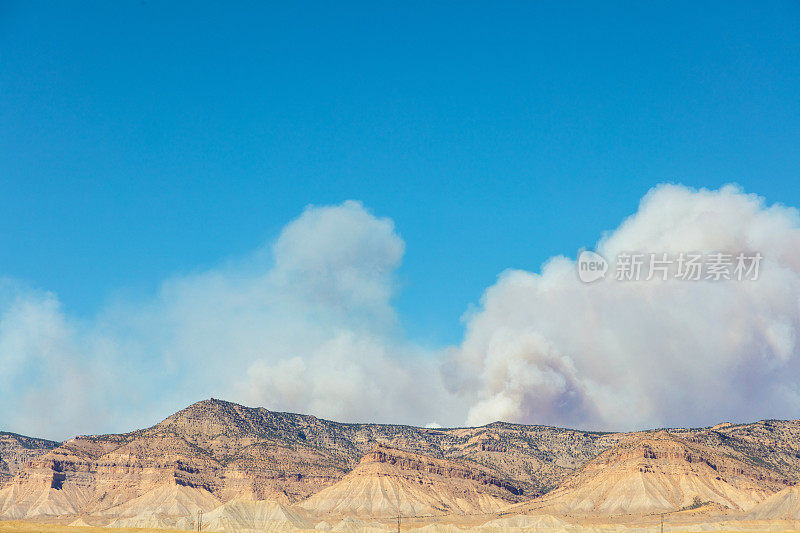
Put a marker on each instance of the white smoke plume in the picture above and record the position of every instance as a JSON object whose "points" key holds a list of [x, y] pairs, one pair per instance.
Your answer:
{"points": [[547, 348], [307, 324]]}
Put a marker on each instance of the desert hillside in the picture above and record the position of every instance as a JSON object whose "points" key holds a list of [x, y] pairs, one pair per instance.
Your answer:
{"points": [[17, 450], [246, 468], [662, 472], [389, 482]]}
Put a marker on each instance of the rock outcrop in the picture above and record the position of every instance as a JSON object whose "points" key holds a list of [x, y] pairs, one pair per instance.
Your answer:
{"points": [[388, 482], [17, 450], [660, 472]]}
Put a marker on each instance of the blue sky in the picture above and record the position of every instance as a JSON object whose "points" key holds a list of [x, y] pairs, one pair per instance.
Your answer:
{"points": [[143, 140]]}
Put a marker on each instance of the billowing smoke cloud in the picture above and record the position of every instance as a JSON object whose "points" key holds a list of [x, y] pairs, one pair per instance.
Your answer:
{"points": [[42, 360], [312, 330], [548, 348], [307, 324]]}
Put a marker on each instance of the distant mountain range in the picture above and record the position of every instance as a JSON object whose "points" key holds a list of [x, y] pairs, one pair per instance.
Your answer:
{"points": [[248, 465]]}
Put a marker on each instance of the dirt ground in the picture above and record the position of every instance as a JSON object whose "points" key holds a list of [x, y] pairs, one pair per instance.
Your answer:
{"points": [[18, 526]]}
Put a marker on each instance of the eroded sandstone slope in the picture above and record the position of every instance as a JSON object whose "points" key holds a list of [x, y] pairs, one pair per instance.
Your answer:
{"points": [[658, 472], [17, 450], [388, 482], [234, 452]]}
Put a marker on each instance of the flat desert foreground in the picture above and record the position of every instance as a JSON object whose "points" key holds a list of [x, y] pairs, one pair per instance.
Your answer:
{"points": [[17, 526]]}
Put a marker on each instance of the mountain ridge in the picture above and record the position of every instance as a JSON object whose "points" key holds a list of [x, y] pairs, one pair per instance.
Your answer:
{"points": [[16, 450], [233, 452]]}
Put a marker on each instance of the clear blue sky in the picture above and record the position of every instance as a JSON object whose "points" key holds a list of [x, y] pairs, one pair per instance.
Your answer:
{"points": [[140, 140]]}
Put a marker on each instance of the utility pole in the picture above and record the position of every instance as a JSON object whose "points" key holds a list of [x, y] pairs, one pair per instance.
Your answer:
{"points": [[662, 522], [398, 522], [199, 520]]}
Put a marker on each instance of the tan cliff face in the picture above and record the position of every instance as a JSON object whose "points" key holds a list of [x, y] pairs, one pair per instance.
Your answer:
{"points": [[773, 444], [382, 454], [216, 452], [388, 482], [661, 472], [17, 450]]}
